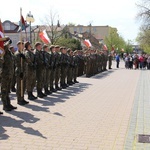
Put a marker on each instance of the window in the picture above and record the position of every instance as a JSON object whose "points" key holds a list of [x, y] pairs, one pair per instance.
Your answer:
{"points": [[75, 30], [94, 29], [7, 26], [80, 29]]}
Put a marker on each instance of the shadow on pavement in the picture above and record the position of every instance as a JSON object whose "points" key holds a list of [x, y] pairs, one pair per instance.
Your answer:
{"points": [[63, 95], [58, 114], [3, 136], [27, 117], [59, 97], [103, 74], [13, 123]]}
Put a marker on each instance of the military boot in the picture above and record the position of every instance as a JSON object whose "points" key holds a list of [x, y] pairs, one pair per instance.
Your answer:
{"points": [[58, 88], [39, 94], [75, 81], [30, 97], [9, 104], [4, 98], [33, 96], [6, 107], [47, 92], [52, 89], [13, 89]]}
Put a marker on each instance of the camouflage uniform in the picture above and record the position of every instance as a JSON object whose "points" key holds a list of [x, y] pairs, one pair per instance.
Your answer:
{"points": [[88, 65], [76, 63], [30, 73], [6, 77], [57, 70], [64, 65], [70, 68], [81, 64], [20, 77], [13, 82], [40, 70], [53, 71], [47, 60]]}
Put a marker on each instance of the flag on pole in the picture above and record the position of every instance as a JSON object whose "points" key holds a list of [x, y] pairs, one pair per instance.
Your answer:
{"points": [[44, 37], [22, 24], [87, 43], [105, 47], [1, 41]]}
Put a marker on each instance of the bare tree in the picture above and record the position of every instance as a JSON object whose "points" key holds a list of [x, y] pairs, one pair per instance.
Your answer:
{"points": [[52, 26], [144, 13]]}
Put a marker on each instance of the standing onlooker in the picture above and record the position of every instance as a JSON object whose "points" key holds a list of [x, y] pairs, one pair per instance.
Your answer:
{"points": [[117, 60], [136, 62], [126, 62], [130, 62], [141, 60], [148, 62]]}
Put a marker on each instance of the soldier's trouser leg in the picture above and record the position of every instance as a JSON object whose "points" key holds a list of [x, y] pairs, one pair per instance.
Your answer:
{"points": [[47, 80], [52, 78], [30, 83], [63, 74], [75, 74], [68, 75], [69, 78], [40, 80], [19, 88], [5, 87], [13, 82], [88, 70], [57, 76]]}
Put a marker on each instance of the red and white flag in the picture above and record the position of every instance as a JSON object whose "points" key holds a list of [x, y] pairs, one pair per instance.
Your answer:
{"points": [[44, 37], [105, 47], [87, 43], [1, 41]]}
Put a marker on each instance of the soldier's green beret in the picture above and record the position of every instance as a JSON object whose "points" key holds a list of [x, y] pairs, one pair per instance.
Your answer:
{"points": [[11, 47], [37, 44], [45, 46], [68, 50], [52, 46], [75, 51], [19, 42], [27, 44], [56, 46]]}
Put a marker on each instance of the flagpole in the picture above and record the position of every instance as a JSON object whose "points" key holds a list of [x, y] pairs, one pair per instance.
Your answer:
{"points": [[21, 52]]}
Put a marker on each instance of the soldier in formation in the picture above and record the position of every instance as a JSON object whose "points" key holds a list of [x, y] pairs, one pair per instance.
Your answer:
{"points": [[45, 69], [6, 77]]}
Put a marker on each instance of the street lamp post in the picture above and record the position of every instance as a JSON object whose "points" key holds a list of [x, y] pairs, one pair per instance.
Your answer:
{"points": [[30, 19]]}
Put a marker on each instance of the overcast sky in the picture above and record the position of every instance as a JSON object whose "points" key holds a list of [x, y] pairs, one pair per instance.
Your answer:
{"points": [[116, 13]]}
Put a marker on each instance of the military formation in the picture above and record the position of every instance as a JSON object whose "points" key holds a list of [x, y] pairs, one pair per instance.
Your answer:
{"points": [[45, 69]]}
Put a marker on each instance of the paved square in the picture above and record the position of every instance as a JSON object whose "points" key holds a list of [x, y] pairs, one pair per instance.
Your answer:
{"points": [[92, 115]]}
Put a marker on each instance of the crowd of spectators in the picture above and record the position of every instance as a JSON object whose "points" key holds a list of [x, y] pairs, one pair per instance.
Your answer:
{"points": [[137, 61]]}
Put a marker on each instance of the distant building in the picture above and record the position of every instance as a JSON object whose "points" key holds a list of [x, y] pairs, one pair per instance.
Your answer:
{"points": [[11, 30], [99, 32], [96, 34]]}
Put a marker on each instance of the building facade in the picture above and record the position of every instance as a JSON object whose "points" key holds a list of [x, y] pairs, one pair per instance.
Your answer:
{"points": [[12, 30], [99, 32]]}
